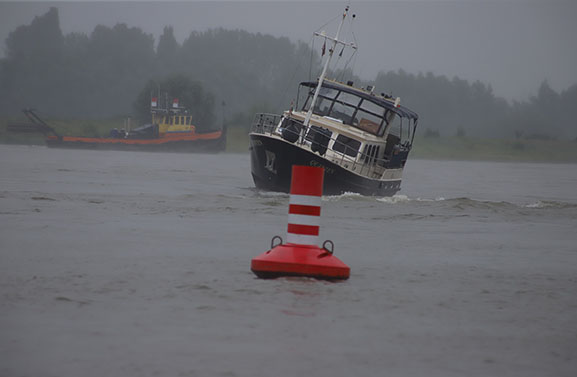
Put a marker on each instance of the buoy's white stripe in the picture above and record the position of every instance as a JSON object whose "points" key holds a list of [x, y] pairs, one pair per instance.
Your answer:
{"points": [[302, 239], [305, 200], [304, 220]]}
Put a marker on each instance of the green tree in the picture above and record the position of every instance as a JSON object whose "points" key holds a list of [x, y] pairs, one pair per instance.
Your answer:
{"points": [[167, 52], [119, 61], [37, 43], [31, 70]]}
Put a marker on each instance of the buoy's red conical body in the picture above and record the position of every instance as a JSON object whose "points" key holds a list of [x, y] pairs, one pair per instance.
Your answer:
{"points": [[299, 260], [301, 256]]}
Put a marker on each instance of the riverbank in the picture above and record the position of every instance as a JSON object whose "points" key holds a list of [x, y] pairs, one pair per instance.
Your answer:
{"points": [[512, 150], [465, 148], [441, 148]]}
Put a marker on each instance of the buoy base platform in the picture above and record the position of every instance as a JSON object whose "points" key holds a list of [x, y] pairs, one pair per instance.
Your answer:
{"points": [[299, 260]]}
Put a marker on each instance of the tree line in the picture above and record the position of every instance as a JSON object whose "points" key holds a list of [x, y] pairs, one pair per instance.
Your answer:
{"points": [[229, 74]]}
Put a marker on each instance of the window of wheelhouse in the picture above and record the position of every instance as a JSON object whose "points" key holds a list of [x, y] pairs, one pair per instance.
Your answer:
{"points": [[370, 118], [345, 108], [324, 100], [346, 145]]}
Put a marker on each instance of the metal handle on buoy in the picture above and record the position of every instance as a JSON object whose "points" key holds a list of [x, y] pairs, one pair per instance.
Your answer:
{"points": [[332, 246], [272, 245]]}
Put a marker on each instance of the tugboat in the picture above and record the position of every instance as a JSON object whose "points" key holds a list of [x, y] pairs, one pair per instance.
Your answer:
{"points": [[361, 139], [170, 130]]}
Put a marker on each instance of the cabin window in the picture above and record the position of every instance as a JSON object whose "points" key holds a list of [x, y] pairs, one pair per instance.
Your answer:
{"points": [[366, 152], [328, 93], [370, 116], [395, 125], [346, 145], [368, 122], [322, 106], [373, 108], [344, 108], [189, 120], [324, 101], [392, 141], [290, 129], [371, 153], [319, 138], [176, 120]]}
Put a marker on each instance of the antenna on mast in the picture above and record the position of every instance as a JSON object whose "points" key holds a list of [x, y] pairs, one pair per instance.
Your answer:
{"points": [[335, 41]]}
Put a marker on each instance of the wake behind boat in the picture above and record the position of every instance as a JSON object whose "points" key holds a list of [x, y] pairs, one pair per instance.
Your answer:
{"points": [[361, 139]]}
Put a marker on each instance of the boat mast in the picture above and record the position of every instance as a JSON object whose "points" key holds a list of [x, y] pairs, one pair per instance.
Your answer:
{"points": [[326, 66]]}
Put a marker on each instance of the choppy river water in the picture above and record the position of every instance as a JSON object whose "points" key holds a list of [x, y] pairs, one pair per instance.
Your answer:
{"points": [[137, 264]]}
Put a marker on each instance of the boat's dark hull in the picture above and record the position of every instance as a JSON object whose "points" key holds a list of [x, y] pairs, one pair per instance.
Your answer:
{"points": [[272, 160], [152, 145]]}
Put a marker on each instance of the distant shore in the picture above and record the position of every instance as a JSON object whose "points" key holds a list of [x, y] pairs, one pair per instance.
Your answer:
{"points": [[465, 148], [514, 150], [442, 148]]}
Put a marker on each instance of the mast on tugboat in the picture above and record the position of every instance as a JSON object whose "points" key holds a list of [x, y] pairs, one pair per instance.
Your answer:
{"points": [[335, 41]]}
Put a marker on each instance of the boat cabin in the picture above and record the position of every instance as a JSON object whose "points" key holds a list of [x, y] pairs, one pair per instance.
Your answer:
{"points": [[352, 127], [361, 139], [170, 122]]}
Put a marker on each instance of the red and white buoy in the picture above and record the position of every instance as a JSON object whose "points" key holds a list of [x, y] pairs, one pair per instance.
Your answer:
{"points": [[301, 256]]}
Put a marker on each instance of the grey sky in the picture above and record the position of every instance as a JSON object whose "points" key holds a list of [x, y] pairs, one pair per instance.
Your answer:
{"points": [[513, 45]]}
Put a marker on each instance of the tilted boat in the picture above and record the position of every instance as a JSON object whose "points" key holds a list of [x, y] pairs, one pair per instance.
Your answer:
{"points": [[171, 130], [361, 139]]}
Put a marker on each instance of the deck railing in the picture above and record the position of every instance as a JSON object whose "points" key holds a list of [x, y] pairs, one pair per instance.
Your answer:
{"points": [[265, 123]]}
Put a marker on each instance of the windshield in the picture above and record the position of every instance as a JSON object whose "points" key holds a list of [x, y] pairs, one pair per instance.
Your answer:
{"points": [[349, 109]]}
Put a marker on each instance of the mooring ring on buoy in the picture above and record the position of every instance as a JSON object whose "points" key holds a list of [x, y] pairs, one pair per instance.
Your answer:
{"points": [[272, 245], [332, 246]]}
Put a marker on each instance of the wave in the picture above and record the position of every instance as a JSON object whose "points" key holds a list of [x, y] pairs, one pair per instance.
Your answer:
{"points": [[550, 204], [395, 199], [469, 203], [347, 196], [460, 203], [258, 193]]}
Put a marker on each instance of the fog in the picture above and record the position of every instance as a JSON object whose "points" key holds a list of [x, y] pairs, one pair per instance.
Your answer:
{"points": [[511, 45]]}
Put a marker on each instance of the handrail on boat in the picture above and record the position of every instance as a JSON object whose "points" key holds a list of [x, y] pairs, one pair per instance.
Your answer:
{"points": [[266, 123]]}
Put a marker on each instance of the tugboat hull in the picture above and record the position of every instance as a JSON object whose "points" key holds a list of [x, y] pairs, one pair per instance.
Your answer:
{"points": [[214, 144], [272, 160], [146, 138]]}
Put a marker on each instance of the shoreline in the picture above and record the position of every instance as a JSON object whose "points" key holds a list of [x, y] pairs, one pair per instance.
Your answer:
{"points": [[441, 148], [417, 154]]}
